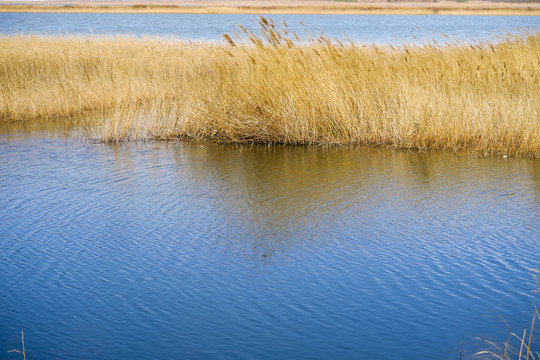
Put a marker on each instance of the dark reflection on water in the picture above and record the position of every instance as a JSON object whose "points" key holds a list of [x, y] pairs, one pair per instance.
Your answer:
{"points": [[185, 250]]}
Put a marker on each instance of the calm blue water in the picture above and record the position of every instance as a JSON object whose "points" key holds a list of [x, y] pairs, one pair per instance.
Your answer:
{"points": [[198, 251], [368, 28]]}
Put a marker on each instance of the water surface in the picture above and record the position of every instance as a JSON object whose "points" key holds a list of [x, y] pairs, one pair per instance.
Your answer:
{"points": [[200, 251], [368, 28]]}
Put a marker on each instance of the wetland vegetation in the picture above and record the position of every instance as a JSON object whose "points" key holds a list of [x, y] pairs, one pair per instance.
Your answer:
{"points": [[181, 244], [388, 7], [276, 87]]}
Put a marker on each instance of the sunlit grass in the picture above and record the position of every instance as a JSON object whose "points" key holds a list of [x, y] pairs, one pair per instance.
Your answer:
{"points": [[276, 88], [290, 7], [517, 346], [520, 346]]}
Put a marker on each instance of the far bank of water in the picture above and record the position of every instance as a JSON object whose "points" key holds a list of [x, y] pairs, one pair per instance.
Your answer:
{"points": [[193, 250]]}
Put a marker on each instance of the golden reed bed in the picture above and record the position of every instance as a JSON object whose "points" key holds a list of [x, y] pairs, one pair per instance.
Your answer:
{"points": [[464, 7], [276, 88]]}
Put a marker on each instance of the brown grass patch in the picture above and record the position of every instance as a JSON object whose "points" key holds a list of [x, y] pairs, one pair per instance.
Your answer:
{"points": [[273, 88]]}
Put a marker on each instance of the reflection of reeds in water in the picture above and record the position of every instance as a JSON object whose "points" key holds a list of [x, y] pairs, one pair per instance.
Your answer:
{"points": [[274, 87]]}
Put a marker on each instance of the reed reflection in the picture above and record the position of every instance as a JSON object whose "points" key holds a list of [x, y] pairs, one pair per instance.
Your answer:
{"points": [[278, 198]]}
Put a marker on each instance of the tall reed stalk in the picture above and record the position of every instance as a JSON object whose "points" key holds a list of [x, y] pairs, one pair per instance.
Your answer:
{"points": [[274, 87], [23, 352], [524, 344], [528, 350]]}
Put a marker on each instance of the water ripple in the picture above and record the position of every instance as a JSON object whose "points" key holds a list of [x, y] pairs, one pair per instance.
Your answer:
{"points": [[178, 250]]}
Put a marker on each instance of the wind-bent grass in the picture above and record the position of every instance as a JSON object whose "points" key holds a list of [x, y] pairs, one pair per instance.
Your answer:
{"points": [[516, 346], [275, 88], [520, 347]]}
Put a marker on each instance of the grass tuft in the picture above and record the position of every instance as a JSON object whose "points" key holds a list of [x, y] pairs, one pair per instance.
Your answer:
{"points": [[507, 351]]}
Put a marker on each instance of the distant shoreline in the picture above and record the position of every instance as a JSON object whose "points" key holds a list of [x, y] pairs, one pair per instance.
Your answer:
{"points": [[278, 7]]}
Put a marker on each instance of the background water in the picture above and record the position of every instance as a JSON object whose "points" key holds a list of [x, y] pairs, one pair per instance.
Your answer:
{"points": [[368, 28], [198, 251]]}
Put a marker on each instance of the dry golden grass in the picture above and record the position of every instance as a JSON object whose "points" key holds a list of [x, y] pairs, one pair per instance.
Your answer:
{"points": [[285, 7], [273, 88], [517, 346]]}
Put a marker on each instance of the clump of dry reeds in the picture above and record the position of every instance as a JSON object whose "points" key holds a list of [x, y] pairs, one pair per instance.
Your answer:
{"points": [[524, 349], [524, 343], [275, 87]]}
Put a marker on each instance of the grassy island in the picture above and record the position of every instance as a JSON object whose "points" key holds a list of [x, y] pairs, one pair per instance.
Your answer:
{"points": [[273, 87], [371, 7]]}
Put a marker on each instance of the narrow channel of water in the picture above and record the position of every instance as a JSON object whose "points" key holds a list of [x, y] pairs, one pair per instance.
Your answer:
{"points": [[192, 251], [210, 27]]}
